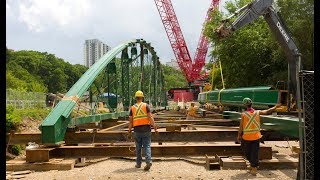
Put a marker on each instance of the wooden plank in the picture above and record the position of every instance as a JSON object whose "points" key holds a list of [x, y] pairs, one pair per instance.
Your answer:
{"points": [[237, 158], [173, 128], [229, 163], [212, 163], [38, 155], [218, 158], [21, 172], [279, 163], [296, 149], [21, 165], [117, 127], [16, 176]]}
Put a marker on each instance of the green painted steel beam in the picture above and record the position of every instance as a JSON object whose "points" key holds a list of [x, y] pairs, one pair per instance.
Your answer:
{"points": [[287, 125], [54, 126], [97, 118], [262, 96]]}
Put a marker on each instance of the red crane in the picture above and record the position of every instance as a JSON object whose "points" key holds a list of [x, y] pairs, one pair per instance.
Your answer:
{"points": [[170, 22]]}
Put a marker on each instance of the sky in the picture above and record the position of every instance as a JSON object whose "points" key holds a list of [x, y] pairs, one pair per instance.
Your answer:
{"points": [[60, 27]]}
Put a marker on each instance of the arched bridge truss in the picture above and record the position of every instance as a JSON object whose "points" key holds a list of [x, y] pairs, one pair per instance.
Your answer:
{"points": [[109, 84]]}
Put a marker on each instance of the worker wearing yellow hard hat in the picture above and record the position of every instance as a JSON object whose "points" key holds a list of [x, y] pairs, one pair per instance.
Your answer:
{"points": [[142, 121], [139, 94]]}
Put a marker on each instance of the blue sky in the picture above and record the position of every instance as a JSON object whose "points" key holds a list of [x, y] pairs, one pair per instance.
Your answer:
{"points": [[60, 27]]}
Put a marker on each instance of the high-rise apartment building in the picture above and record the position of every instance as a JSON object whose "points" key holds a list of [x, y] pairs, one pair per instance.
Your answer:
{"points": [[173, 63], [93, 51]]}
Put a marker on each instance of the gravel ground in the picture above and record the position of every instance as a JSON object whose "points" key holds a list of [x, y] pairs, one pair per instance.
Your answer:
{"points": [[177, 169], [113, 168]]}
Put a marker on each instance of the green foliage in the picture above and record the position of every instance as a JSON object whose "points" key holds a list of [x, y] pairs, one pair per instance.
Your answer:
{"points": [[13, 120], [15, 83], [251, 56], [15, 149], [34, 71], [14, 116], [173, 78], [299, 18], [37, 114]]}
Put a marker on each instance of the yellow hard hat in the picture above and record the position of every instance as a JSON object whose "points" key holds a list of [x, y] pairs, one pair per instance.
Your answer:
{"points": [[139, 94]]}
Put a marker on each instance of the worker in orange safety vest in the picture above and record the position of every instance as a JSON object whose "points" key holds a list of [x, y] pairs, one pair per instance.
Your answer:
{"points": [[249, 133], [191, 112], [141, 120]]}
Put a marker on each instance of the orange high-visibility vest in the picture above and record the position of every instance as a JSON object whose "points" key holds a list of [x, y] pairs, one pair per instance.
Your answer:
{"points": [[140, 115], [192, 111], [251, 126]]}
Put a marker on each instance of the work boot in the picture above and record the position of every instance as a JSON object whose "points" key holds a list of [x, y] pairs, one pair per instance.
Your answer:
{"points": [[138, 166], [147, 167], [249, 168], [253, 171]]}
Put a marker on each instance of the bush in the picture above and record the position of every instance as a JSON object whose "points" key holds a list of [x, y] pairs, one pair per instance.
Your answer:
{"points": [[13, 120], [15, 149]]}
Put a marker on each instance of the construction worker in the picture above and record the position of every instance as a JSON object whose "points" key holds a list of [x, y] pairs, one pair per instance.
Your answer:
{"points": [[207, 87], [141, 120], [249, 133], [191, 112]]}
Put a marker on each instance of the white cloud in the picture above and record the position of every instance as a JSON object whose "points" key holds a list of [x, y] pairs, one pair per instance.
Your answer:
{"points": [[39, 15], [69, 22]]}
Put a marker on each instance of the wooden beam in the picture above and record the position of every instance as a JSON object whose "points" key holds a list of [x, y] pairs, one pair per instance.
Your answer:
{"points": [[53, 164], [117, 127]]}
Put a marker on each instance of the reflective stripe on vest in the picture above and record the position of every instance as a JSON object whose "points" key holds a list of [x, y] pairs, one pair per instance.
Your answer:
{"points": [[140, 115], [251, 126]]}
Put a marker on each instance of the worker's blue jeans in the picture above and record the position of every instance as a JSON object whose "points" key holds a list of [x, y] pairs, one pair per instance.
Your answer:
{"points": [[143, 139]]}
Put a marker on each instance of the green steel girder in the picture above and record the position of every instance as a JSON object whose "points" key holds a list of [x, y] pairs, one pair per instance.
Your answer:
{"points": [[286, 125], [54, 126], [96, 118]]}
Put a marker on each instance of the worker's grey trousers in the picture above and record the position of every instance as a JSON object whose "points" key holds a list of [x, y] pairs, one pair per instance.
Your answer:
{"points": [[251, 151]]}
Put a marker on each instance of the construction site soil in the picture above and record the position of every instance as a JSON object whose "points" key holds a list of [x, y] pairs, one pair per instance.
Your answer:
{"points": [[162, 168]]}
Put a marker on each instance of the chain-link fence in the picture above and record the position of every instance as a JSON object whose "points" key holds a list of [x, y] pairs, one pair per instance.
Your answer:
{"points": [[22, 100], [308, 116]]}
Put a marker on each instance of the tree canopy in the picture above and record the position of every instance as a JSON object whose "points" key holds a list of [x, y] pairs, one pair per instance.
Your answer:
{"points": [[35, 71], [251, 55], [40, 72]]}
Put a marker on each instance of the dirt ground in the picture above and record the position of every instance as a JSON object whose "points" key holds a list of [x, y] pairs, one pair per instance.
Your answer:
{"points": [[166, 168], [177, 169], [29, 125]]}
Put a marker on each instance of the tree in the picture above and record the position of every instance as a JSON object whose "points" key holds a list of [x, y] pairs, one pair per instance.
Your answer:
{"points": [[250, 56], [58, 81], [14, 83], [173, 78]]}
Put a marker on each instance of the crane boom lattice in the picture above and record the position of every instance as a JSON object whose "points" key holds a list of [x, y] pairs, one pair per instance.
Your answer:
{"points": [[171, 25]]}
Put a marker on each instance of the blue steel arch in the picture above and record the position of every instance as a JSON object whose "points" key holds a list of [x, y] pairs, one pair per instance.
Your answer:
{"points": [[54, 126]]}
